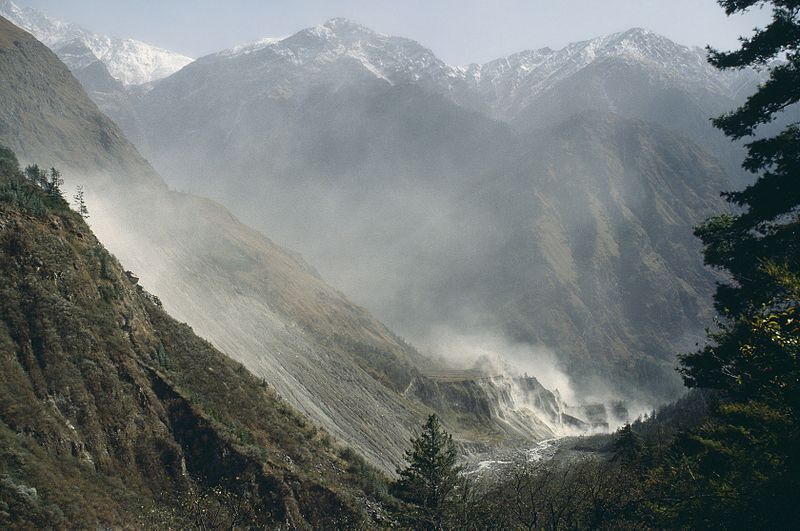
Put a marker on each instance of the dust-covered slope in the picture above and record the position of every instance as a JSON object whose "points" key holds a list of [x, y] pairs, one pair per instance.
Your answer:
{"points": [[261, 304], [114, 414], [434, 216], [257, 302]]}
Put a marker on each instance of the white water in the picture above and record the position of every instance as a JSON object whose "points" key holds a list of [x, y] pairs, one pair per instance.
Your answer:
{"points": [[543, 451], [487, 466]]}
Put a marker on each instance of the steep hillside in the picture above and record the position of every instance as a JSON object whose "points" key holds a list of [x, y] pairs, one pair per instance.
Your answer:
{"points": [[585, 249], [354, 193], [47, 101], [114, 414], [259, 303], [598, 259], [644, 91]]}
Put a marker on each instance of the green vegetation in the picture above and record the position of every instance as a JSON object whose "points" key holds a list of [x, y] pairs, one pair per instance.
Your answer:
{"points": [[746, 456], [429, 483], [726, 456], [80, 203], [587, 493], [22, 188], [758, 247], [9, 165]]}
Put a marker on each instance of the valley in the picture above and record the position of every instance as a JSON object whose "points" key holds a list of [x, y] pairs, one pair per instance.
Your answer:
{"points": [[329, 280], [439, 214], [261, 304]]}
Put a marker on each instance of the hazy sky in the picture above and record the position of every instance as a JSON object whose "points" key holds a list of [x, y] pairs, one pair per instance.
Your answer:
{"points": [[458, 31]]}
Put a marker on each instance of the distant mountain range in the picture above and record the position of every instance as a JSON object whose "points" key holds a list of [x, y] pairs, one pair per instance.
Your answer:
{"points": [[439, 197], [546, 198], [502, 87], [128, 61], [259, 303], [525, 89]]}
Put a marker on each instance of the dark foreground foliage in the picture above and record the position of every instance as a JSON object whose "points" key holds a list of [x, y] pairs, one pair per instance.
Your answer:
{"points": [[730, 461], [744, 463]]}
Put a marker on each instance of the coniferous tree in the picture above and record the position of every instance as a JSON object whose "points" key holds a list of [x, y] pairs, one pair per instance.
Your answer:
{"points": [[741, 468], [36, 175], [429, 481], [80, 203], [628, 445], [54, 182], [764, 232]]}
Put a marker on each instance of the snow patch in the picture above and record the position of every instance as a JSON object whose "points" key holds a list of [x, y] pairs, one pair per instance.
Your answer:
{"points": [[130, 61]]}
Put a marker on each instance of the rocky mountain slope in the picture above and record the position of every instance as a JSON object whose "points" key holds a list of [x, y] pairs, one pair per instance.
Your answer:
{"points": [[114, 414], [129, 61], [259, 303], [397, 176]]}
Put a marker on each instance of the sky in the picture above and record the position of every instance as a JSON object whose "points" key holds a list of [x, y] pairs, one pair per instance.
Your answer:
{"points": [[458, 31]]}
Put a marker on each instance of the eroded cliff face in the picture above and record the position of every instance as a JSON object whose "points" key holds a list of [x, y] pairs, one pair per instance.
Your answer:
{"points": [[487, 412]]}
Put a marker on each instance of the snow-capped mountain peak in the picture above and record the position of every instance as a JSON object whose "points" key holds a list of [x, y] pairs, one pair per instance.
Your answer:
{"points": [[344, 27], [334, 32], [246, 49], [130, 61], [392, 59], [509, 81]]}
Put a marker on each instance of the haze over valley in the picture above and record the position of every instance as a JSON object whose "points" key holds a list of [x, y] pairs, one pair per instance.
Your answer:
{"points": [[358, 236], [540, 204], [439, 197]]}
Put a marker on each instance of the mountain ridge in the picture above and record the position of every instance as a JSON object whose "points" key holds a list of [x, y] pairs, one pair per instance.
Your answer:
{"points": [[388, 171], [260, 304], [532, 70], [129, 61]]}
